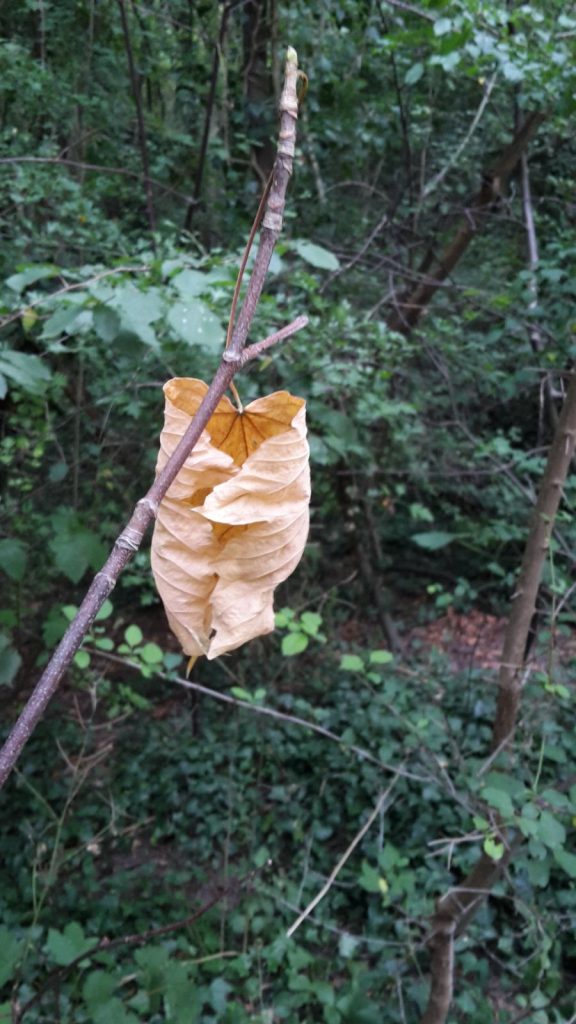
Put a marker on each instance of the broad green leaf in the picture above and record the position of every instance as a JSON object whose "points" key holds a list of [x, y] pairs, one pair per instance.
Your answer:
{"points": [[381, 657], [10, 949], [13, 555], [315, 255], [82, 659], [65, 946], [184, 999], [26, 371], [10, 661], [98, 988], [106, 323], [351, 663], [133, 636], [369, 877], [138, 309], [414, 74], [499, 799], [283, 618], [442, 26], [567, 861], [58, 472], [61, 322], [433, 540], [493, 849], [19, 282], [74, 547], [190, 283], [196, 324], [151, 654], [105, 611], [310, 622], [508, 784], [294, 643], [114, 1012], [551, 831]]}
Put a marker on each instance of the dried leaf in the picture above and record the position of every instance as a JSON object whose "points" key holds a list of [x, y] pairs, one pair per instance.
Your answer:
{"points": [[234, 523]]}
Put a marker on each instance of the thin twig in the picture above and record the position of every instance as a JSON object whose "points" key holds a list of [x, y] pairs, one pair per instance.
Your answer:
{"points": [[79, 286], [262, 709], [139, 117], [454, 158], [345, 856], [145, 511], [411, 9], [81, 165]]}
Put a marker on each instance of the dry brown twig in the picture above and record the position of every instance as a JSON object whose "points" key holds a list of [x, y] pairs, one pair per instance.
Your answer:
{"points": [[233, 359]]}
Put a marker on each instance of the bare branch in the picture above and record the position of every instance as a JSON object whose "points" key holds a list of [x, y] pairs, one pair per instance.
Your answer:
{"points": [[458, 905], [410, 307], [145, 511], [454, 158], [411, 9], [345, 856]]}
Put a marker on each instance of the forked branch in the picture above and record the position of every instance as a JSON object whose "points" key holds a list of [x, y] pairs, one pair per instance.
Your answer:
{"points": [[145, 511]]}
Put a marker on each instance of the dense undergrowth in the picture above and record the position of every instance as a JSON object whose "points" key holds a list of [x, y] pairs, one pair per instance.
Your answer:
{"points": [[140, 804], [158, 801]]}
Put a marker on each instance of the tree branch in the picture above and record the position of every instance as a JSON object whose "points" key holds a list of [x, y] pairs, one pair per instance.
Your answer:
{"points": [[458, 905], [145, 511], [411, 306], [140, 118]]}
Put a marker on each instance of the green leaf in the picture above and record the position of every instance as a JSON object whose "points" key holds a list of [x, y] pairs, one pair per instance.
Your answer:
{"points": [[433, 540], [414, 74], [283, 618], [82, 659], [10, 949], [19, 282], [74, 547], [241, 694], [294, 643], [13, 555], [493, 849], [351, 663], [133, 636], [105, 611], [500, 800], [381, 657], [369, 877], [550, 831], [65, 946], [10, 661], [442, 26], [190, 283], [106, 323], [58, 472], [152, 654], [310, 622], [104, 643], [60, 322], [26, 371], [196, 324], [98, 988], [138, 309], [315, 255], [567, 861]]}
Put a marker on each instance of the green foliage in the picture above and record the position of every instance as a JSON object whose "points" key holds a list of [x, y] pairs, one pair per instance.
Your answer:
{"points": [[136, 800]]}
